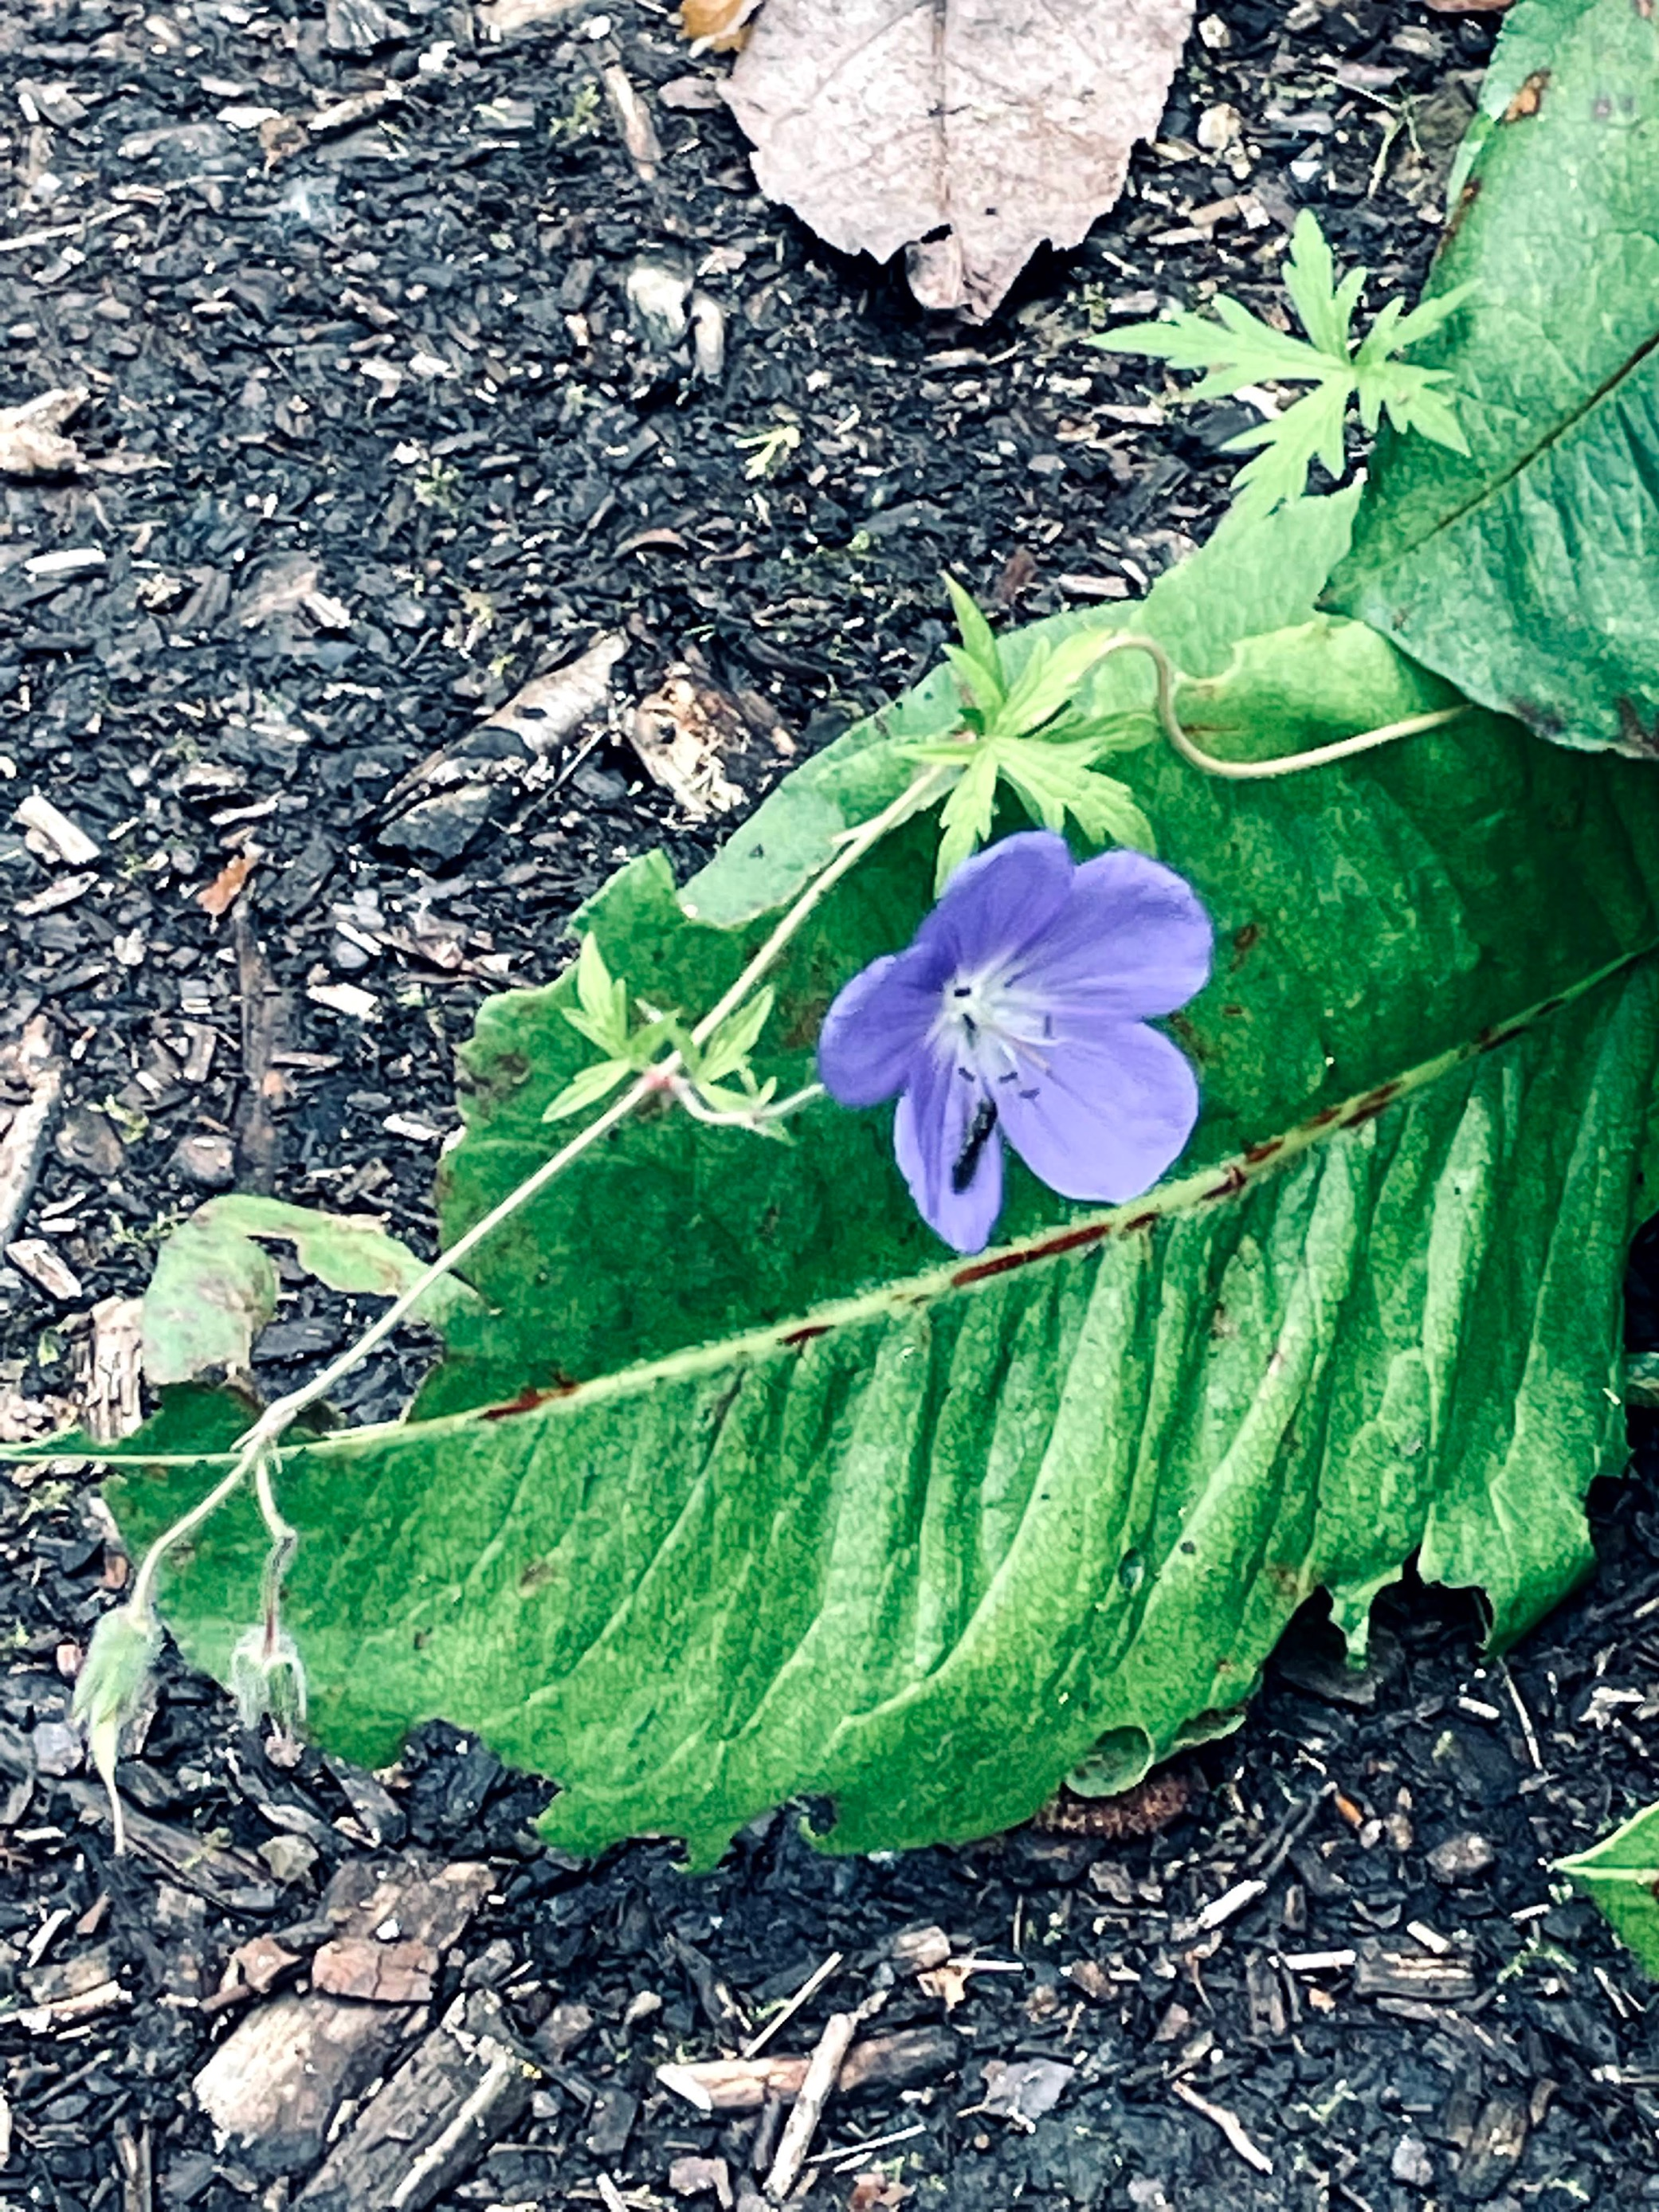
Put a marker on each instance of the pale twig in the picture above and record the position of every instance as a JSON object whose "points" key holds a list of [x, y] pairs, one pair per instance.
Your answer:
{"points": [[785, 2012], [1230, 2124], [822, 2071]]}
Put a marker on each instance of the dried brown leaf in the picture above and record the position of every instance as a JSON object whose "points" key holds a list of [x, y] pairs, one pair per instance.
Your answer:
{"points": [[968, 130], [722, 26], [223, 893]]}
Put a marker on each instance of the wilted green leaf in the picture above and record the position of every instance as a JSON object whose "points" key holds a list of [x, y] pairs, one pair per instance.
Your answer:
{"points": [[214, 1288], [1526, 570], [806, 1507], [1620, 1877]]}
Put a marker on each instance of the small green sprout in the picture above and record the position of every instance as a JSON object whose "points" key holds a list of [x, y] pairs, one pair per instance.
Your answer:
{"points": [[1032, 734], [1237, 350], [767, 449], [581, 120]]}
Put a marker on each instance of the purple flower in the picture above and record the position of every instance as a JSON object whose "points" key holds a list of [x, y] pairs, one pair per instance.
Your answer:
{"points": [[1020, 1012]]}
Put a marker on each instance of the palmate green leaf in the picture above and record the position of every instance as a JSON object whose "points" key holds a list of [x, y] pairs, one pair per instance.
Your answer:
{"points": [[1057, 784], [1047, 684], [1234, 348], [968, 810], [1528, 570], [1239, 350], [803, 1504], [601, 1015], [1309, 430], [1620, 1877], [587, 1088], [730, 1047], [1324, 307]]}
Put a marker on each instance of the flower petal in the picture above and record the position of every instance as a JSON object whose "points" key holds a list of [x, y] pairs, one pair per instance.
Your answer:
{"points": [[931, 1138], [1107, 1116], [876, 1028], [1132, 941], [996, 903]]}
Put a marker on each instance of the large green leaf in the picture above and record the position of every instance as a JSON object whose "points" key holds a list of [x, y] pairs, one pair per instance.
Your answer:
{"points": [[1620, 1876], [771, 1498], [1528, 571], [918, 1552]]}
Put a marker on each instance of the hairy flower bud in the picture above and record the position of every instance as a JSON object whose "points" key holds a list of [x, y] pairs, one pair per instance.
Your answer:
{"points": [[110, 1689], [268, 1676]]}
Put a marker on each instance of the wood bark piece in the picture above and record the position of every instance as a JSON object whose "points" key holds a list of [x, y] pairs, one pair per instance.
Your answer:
{"points": [[278, 2078], [275, 2083], [517, 19], [438, 808], [968, 130], [31, 443], [114, 1399], [460, 2092], [385, 1973], [899, 2061], [1380, 1973], [30, 1061]]}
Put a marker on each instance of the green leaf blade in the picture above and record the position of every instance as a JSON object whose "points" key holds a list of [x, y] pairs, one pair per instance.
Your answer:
{"points": [[682, 1652], [1520, 563]]}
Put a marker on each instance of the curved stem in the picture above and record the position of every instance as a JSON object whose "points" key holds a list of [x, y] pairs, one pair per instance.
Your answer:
{"points": [[1291, 763], [749, 1117], [144, 1581]]}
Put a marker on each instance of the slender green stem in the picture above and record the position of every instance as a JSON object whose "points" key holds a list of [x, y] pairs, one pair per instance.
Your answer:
{"points": [[258, 1447], [914, 799], [1291, 763], [144, 1581]]}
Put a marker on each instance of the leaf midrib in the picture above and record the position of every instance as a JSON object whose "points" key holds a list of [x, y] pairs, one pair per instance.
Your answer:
{"points": [[1552, 437], [1218, 1181]]}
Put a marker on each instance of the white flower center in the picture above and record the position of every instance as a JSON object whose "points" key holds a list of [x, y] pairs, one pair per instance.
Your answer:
{"points": [[994, 1032]]}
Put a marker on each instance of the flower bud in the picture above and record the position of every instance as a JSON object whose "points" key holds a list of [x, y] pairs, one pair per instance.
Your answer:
{"points": [[110, 1690], [267, 1676]]}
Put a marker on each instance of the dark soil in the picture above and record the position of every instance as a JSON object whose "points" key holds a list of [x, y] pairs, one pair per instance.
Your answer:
{"points": [[373, 439]]}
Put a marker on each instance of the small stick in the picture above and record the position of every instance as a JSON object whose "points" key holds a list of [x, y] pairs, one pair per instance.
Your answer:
{"points": [[1525, 1719], [822, 2070], [808, 1990], [844, 2158], [1230, 2124]]}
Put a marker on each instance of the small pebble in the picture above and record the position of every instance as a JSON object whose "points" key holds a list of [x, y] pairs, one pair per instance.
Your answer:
{"points": [[208, 1162], [56, 1749], [1412, 2163], [291, 1859], [1460, 1858]]}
